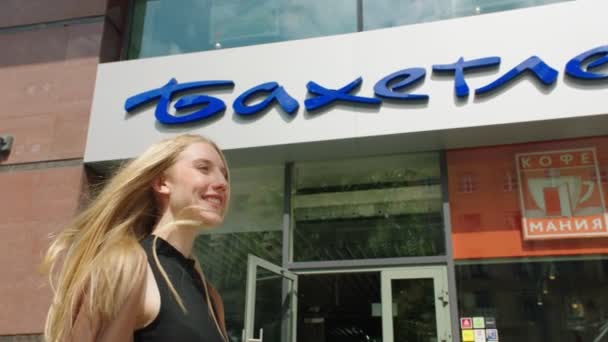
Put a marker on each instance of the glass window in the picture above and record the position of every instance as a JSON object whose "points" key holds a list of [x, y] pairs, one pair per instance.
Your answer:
{"points": [[414, 313], [552, 300], [368, 208], [253, 226], [164, 27], [389, 13]]}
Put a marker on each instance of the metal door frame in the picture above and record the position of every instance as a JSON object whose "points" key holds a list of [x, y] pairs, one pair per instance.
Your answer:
{"points": [[253, 263]]}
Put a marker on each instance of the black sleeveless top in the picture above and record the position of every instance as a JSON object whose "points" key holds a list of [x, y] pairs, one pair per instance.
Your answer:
{"points": [[171, 323]]}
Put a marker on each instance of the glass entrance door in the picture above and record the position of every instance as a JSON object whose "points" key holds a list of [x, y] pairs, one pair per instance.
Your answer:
{"points": [[419, 306], [419, 309], [270, 304]]}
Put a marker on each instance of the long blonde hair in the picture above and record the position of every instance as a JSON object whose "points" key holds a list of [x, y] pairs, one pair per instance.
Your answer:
{"points": [[98, 250]]}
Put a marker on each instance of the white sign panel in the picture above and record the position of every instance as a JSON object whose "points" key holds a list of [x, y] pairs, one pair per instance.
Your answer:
{"points": [[524, 109]]}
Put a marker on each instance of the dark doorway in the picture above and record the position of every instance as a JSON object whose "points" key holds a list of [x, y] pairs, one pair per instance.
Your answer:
{"points": [[339, 307]]}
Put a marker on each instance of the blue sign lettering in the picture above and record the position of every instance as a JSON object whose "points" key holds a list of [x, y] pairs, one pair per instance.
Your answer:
{"points": [[460, 85], [542, 71], [164, 94], [277, 93], [583, 67], [388, 86], [326, 96], [575, 69]]}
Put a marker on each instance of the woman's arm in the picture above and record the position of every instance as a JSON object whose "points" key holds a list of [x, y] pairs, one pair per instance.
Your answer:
{"points": [[218, 306]]}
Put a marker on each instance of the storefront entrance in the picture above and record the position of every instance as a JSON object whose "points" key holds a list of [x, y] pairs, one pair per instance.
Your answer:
{"points": [[346, 305]]}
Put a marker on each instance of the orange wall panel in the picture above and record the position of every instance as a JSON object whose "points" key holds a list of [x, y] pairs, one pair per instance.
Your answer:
{"points": [[485, 202]]}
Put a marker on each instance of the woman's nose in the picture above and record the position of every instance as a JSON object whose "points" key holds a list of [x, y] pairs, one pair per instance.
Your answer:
{"points": [[220, 182]]}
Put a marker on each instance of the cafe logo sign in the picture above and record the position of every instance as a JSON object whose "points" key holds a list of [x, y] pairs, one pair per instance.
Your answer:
{"points": [[561, 195]]}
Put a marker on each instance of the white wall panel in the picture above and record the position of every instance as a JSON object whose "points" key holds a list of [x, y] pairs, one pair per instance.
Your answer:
{"points": [[556, 33]]}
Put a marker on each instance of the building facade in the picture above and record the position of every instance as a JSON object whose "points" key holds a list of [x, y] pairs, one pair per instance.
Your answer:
{"points": [[48, 61], [401, 170]]}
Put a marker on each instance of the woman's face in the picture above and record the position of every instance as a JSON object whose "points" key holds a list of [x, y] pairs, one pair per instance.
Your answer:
{"points": [[196, 186]]}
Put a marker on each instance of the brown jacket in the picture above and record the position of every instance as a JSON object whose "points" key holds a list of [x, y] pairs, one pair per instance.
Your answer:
{"points": [[87, 328]]}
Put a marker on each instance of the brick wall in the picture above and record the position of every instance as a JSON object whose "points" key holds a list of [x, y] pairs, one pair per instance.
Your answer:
{"points": [[22, 338], [50, 52]]}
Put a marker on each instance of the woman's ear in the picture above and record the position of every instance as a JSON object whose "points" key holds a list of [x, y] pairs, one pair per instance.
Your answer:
{"points": [[160, 186]]}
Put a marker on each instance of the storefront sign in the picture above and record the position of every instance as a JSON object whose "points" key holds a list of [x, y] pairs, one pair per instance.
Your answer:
{"points": [[393, 87], [480, 335], [478, 323], [491, 335], [468, 336], [490, 322], [561, 195], [466, 323]]}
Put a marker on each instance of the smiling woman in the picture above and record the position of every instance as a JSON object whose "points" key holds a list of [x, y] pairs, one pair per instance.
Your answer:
{"points": [[195, 187], [127, 272]]}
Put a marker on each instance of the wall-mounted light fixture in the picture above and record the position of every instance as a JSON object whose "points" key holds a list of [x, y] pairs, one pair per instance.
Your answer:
{"points": [[6, 143]]}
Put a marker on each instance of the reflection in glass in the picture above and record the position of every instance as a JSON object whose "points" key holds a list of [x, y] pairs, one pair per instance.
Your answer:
{"points": [[342, 307], [164, 27], [389, 13], [414, 301], [253, 226], [368, 208], [557, 301]]}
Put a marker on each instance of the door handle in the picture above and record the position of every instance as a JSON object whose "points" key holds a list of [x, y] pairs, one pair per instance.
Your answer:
{"points": [[443, 297]]}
